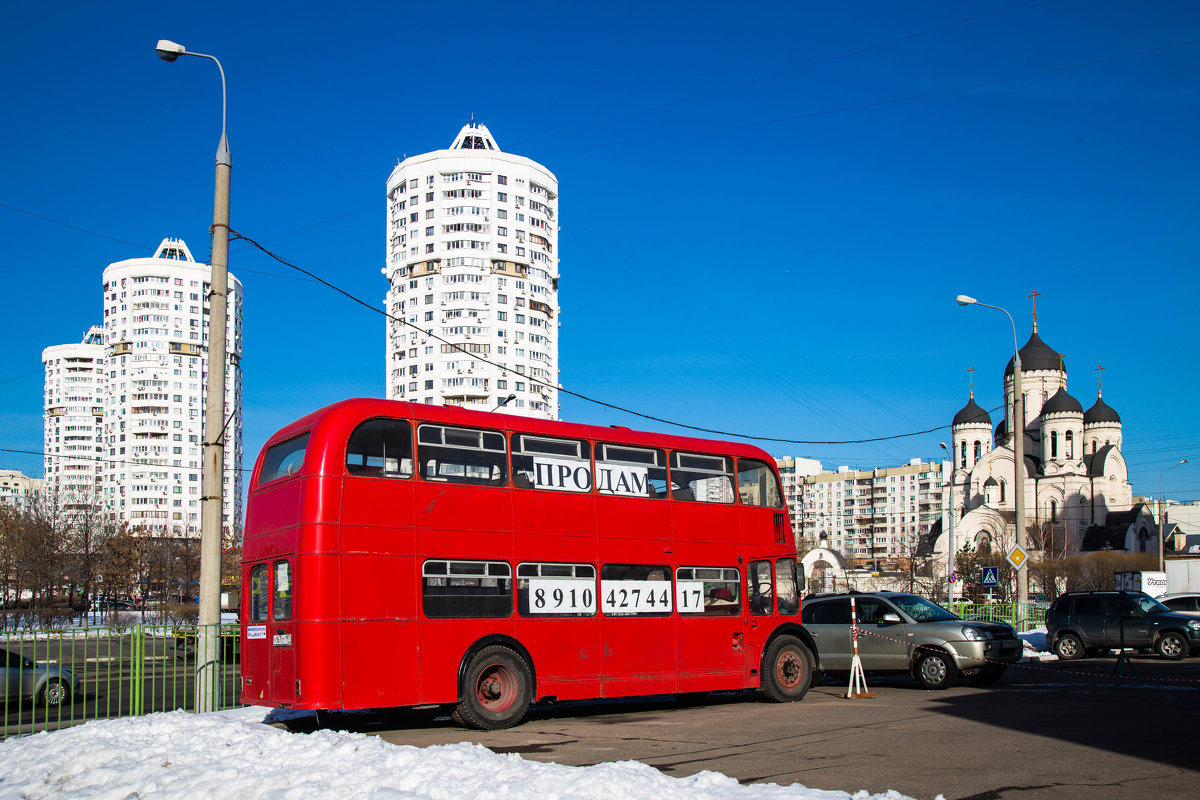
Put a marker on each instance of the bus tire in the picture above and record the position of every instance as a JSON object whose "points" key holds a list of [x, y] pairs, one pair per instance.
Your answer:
{"points": [[787, 670], [496, 690]]}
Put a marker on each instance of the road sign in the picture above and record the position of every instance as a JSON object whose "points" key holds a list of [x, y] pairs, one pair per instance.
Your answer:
{"points": [[991, 577], [1017, 556], [954, 577]]}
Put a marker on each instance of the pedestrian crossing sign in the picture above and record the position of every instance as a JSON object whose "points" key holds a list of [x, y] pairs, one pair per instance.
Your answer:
{"points": [[991, 577]]}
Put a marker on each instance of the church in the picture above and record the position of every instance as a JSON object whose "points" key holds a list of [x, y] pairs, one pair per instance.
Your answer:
{"points": [[1076, 487]]}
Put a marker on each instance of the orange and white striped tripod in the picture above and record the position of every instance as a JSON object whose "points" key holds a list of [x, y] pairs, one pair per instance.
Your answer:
{"points": [[858, 681]]}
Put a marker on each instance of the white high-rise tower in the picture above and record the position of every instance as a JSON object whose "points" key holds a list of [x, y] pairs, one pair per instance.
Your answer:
{"points": [[73, 416], [473, 259], [156, 320]]}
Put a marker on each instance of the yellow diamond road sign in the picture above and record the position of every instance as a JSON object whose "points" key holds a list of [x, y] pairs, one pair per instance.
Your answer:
{"points": [[1017, 556]]}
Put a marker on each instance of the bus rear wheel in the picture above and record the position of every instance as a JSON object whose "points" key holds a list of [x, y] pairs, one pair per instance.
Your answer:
{"points": [[787, 670], [496, 690]]}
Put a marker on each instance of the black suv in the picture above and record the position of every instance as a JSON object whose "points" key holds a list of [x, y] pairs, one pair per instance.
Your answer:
{"points": [[1090, 623]]}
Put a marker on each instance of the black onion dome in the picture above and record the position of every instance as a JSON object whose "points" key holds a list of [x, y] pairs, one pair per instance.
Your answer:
{"points": [[1100, 413], [972, 414], [1062, 403], [1036, 355], [1001, 429]]}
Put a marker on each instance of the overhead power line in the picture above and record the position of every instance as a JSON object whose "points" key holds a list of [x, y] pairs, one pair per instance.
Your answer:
{"points": [[236, 235]]}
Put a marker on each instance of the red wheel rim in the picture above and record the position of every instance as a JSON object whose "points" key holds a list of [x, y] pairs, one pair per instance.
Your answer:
{"points": [[496, 688], [789, 669]]}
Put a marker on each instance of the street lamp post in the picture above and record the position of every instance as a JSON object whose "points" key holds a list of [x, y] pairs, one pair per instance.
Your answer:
{"points": [[212, 475], [949, 527], [1018, 434], [1161, 526]]}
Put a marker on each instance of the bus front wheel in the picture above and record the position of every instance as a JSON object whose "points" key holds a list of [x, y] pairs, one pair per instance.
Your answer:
{"points": [[496, 690], [786, 670]]}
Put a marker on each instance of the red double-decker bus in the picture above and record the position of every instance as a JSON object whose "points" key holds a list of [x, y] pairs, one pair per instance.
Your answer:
{"points": [[398, 555]]}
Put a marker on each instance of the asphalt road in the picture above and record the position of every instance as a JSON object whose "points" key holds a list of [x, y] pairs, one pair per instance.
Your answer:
{"points": [[1049, 730]]}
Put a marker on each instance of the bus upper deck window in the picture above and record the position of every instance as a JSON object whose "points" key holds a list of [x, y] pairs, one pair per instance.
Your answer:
{"points": [[283, 590], [381, 448], [283, 459], [757, 484], [631, 471], [703, 478], [462, 455]]}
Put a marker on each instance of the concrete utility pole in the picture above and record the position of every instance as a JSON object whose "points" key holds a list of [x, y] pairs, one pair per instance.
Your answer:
{"points": [[1017, 431], [1161, 526], [208, 657]]}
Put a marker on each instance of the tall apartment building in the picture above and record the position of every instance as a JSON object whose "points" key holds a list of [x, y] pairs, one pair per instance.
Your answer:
{"points": [[472, 244], [19, 491], [873, 515], [148, 384], [73, 413]]}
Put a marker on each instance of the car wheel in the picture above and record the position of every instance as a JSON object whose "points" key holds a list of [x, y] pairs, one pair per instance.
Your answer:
{"points": [[54, 693], [496, 689], [987, 676], [1068, 647], [787, 670], [1171, 645], [935, 670]]}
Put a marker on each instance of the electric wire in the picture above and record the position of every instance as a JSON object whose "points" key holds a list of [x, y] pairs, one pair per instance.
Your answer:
{"points": [[428, 333]]}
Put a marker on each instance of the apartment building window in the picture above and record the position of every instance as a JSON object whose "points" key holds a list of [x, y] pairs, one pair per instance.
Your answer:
{"points": [[502, 197]]}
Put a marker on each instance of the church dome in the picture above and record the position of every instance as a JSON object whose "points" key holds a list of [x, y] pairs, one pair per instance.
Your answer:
{"points": [[1062, 403], [1101, 413], [1036, 355], [972, 414], [990, 482]]}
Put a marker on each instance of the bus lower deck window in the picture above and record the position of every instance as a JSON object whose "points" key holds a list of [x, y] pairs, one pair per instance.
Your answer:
{"points": [[466, 589]]}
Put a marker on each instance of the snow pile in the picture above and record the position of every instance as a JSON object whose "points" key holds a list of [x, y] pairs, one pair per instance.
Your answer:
{"points": [[227, 755]]}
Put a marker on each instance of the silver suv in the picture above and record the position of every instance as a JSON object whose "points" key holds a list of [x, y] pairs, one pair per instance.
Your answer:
{"points": [[904, 633]]}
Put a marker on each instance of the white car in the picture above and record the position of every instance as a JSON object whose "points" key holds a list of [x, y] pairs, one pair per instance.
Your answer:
{"points": [[1182, 602]]}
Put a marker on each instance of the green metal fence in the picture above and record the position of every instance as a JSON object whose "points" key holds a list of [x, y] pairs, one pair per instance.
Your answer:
{"points": [[113, 672], [1022, 616]]}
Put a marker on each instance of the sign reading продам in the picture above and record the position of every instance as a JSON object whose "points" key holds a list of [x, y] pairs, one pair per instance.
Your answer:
{"points": [[572, 475]]}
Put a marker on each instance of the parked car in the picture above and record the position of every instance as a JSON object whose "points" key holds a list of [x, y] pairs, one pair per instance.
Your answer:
{"points": [[1090, 623], [231, 644], [904, 633], [1182, 602], [46, 684]]}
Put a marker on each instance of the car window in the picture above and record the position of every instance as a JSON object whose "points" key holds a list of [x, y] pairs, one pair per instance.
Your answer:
{"points": [[830, 612], [922, 610], [1147, 603], [869, 611], [1088, 607]]}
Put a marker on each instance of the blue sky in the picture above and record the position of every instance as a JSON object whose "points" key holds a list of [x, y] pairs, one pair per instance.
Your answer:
{"points": [[767, 208]]}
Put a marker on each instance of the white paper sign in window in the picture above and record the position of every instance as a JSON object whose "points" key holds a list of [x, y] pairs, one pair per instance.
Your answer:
{"points": [[689, 597], [562, 474], [562, 596], [635, 597]]}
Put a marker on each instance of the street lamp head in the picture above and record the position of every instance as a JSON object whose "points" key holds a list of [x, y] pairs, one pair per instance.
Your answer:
{"points": [[168, 50], [964, 300], [943, 446], [1184, 461]]}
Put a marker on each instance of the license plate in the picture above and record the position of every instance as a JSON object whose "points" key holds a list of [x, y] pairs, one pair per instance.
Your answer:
{"points": [[282, 640]]}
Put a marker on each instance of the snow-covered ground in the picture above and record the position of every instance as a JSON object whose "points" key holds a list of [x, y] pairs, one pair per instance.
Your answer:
{"points": [[235, 755]]}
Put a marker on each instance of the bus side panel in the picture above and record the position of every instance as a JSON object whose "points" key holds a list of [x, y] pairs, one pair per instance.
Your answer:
{"points": [[711, 650], [378, 598], [559, 527], [464, 521], [638, 652]]}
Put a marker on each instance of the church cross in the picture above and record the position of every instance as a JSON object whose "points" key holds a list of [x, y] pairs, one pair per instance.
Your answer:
{"points": [[1099, 375], [971, 372], [1034, 295]]}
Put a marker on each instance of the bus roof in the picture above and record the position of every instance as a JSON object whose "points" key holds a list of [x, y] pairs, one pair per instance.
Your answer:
{"points": [[347, 414]]}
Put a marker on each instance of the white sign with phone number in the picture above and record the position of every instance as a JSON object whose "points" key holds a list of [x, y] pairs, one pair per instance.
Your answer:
{"points": [[635, 597]]}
